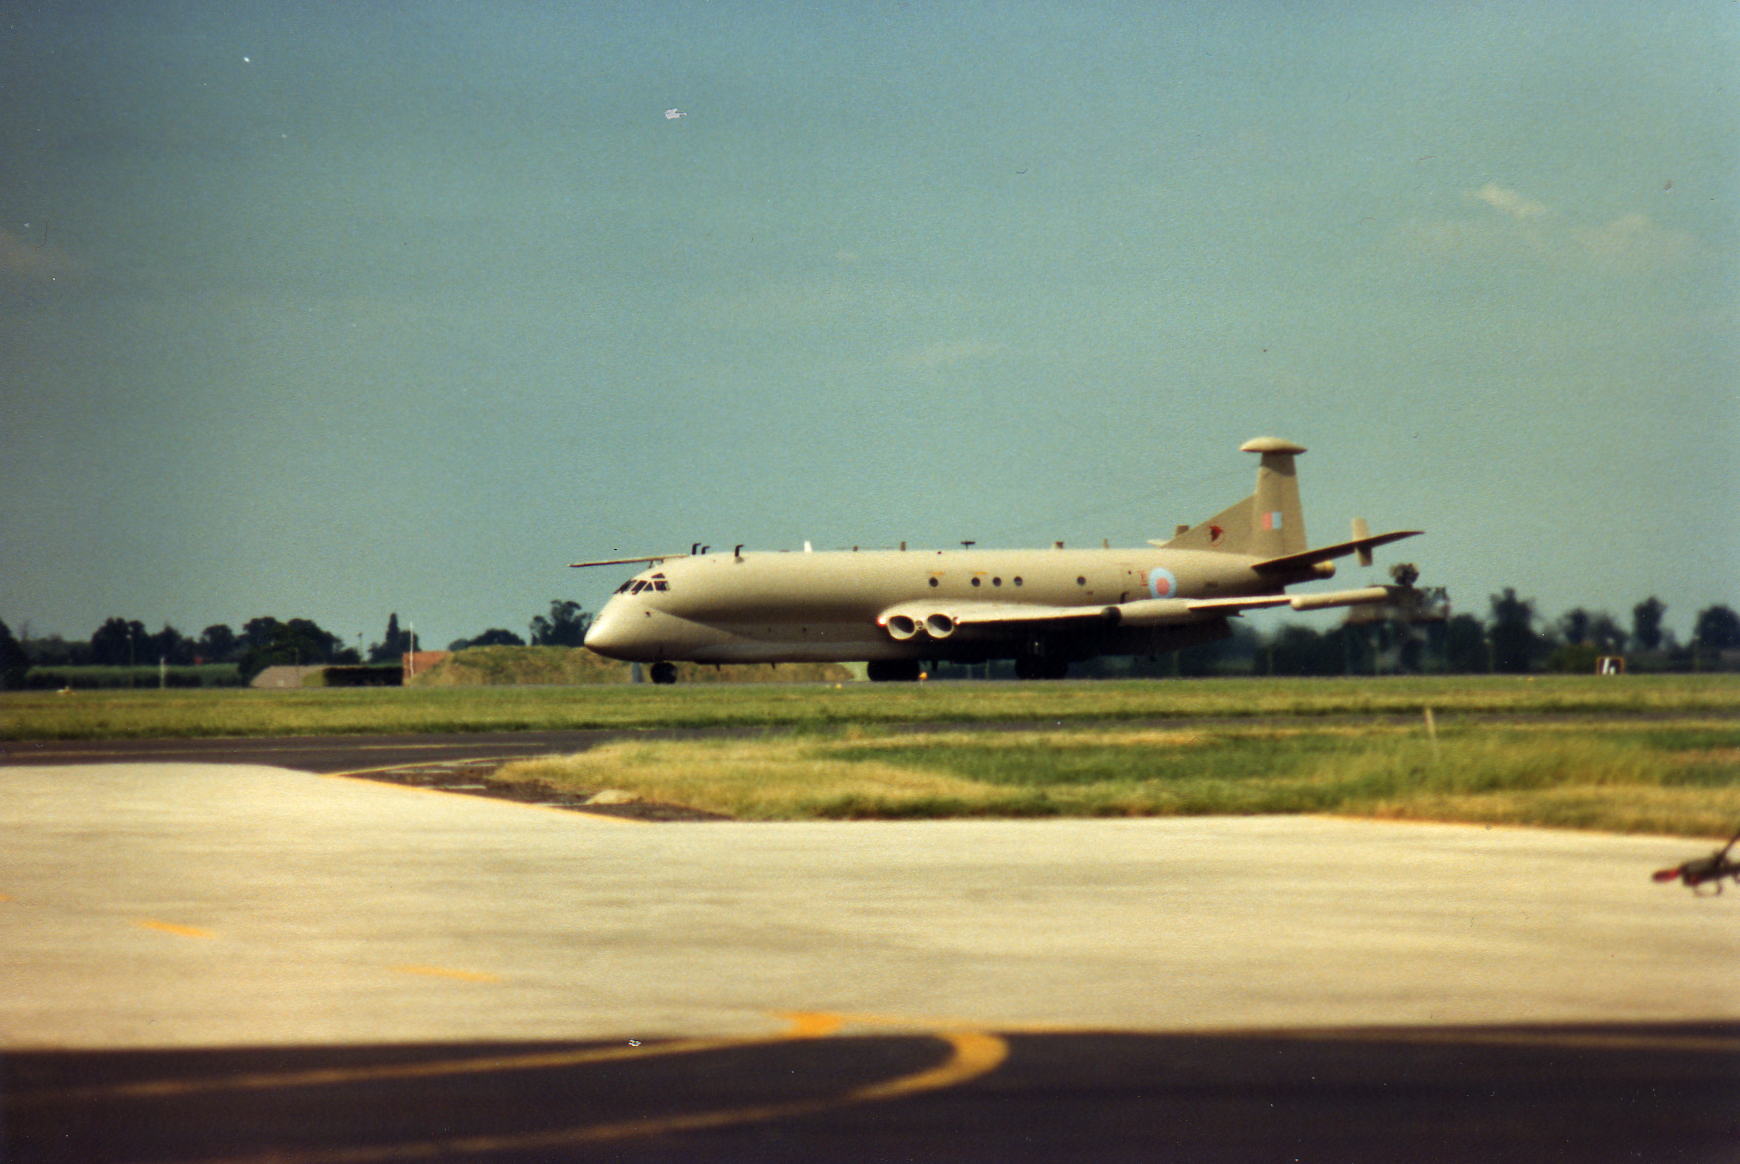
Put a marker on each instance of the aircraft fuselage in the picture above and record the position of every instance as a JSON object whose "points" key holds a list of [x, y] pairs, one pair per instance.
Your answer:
{"points": [[1043, 608], [824, 607]]}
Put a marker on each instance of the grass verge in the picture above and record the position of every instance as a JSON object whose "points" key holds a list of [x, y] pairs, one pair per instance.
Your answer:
{"points": [[337, 711], [1675, 777]]}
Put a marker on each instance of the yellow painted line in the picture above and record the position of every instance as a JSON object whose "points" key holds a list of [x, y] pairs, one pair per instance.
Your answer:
{"points": [[447, 972], [331, 1076], [179, 931], [971, 1054], [812, 1024]]}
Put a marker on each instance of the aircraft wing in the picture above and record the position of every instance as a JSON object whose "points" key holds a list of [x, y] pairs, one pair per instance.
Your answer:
{"points": [[992, 613], [1161, 611], [939, 619]]}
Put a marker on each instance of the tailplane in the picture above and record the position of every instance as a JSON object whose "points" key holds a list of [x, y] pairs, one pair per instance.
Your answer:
{"points": [[1270, 523]]}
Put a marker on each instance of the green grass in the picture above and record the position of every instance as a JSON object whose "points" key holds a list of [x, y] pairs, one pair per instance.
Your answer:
{"points": [[1638, 753], [315, 711], [1678, 778], [140, 677]]}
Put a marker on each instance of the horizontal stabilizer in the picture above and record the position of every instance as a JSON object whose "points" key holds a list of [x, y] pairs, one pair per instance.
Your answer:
{"points": [[625, 561], [1292, 562]]}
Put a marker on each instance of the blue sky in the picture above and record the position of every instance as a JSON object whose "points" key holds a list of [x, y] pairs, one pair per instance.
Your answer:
{"points": [[335, 310]]}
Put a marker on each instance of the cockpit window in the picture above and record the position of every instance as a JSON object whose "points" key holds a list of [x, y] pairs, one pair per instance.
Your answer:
{"points": [[636, 585]]}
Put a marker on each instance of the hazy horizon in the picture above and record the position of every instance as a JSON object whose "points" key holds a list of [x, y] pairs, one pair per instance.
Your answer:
{"points": [[331, 311]]}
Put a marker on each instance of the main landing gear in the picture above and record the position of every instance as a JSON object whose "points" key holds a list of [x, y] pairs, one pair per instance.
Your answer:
{"points": [[663, 673]]}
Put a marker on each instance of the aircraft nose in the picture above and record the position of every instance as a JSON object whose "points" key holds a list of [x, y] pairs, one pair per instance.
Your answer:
{"points": [[609, 633]]}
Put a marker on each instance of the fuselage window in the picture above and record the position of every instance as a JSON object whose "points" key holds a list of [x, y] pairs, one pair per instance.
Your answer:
{"points": [[1081, 581], [1017, 579], [933, 583], [978, 581], [996, 581]]}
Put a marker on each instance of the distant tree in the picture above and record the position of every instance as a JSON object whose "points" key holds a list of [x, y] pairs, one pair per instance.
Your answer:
{"points": [[14, 663], [1301, 650], [565, 627], [493, 637], [1717, 629], [1605, 633], [257, 633], [389, 648], [1646, 624], [299, 642], [217, 644], [1351, 650], [1574, 625], [1515, 644], [1465, 645], [169, 646], [1235, 653], [55, 651], [396, 644], [119, 643]]}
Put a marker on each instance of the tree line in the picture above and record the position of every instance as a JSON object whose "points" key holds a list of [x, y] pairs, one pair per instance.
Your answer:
{"points": [[261, 643], [1512, 639]]}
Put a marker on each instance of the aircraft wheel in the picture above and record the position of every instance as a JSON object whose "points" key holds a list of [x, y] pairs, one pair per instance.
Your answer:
{"points": [[892, 670], [665, 673]]}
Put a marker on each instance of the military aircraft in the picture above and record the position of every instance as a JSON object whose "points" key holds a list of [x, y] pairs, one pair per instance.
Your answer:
{"points": [[896, 609]]}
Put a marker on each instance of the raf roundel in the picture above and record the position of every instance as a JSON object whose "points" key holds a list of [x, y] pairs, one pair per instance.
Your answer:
{"points": [[1162, 583]]}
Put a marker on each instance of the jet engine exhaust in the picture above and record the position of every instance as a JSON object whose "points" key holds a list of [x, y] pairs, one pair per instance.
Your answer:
{"points": [[902, 627], [940, 626]]}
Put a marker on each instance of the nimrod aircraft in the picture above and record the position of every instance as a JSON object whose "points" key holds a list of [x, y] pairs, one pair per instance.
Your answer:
{"points": [[895, 609]]}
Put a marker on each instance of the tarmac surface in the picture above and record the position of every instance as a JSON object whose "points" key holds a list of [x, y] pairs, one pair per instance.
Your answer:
{"points": [[243, 962]]}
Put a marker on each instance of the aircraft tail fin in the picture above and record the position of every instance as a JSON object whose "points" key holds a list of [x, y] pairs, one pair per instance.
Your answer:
{"points": [[1270, 523]]}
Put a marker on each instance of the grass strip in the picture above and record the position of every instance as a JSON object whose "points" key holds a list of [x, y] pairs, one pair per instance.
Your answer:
{"points": [[1678, 777], [339, 711]]}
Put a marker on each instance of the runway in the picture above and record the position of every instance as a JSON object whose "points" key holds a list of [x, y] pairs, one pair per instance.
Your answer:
{"points": [[246, 962]]}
